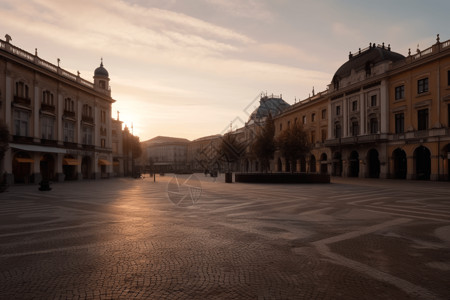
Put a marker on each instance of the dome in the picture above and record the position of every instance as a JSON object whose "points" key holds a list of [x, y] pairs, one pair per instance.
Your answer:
{"points": [[101, 71], [366, 59], [267, 105]]}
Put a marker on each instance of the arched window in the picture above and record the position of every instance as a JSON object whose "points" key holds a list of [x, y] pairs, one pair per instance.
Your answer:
{"points": [[373, 125]]}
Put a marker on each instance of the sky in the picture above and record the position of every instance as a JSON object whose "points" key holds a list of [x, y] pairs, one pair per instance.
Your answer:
{"points": [[192, 68]]}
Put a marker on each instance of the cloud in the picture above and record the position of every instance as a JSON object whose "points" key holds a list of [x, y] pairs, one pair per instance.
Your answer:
{"points": [[249, 9]]}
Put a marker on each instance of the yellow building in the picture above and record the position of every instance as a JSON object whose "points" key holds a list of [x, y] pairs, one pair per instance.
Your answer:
{"points": [[59, 123], [419, 115]]}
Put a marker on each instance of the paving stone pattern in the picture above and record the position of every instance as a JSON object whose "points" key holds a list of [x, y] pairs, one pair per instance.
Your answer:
{"points": [[125, 239]]}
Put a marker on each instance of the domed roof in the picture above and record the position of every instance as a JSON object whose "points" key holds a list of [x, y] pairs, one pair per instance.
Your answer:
{"points": [[367, 58], [101, 71], [267, 105]]}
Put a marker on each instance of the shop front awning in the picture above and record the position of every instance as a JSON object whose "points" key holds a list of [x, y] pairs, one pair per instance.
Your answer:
{"points": [[24, 160], [103, 162], [116, 163], [70, 162], [36, 148]]}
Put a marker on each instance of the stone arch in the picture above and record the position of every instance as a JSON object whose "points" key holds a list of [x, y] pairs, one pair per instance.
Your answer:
{"points": [[337, 164], [323, 163], [400, 163], [422, 162], [70, 167], [446, 159], [302, 163], [373, 162], [279, 165], [312, 164], [353, 164], [21, 167], [86, 167], [47, 167]]}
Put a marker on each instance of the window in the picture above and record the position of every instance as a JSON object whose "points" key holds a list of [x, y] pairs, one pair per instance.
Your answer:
{"points": [[399, 92], [323, 135], [103, 143], [289, 124], [21, 121], [338, 110], [87, 110], [304, 120], [373, 125], [354, 105], [295, 120], [399, 123], [47, 128], [87, 135], [324, 114], [103, 116], [422, 86], [373, 100], [313, 117], [422, 119], [337, 131], [355, 128], [102, 84], [47, 98], [69, 132], [281, 127], [69, 105], [313, 137], [22, 90]]}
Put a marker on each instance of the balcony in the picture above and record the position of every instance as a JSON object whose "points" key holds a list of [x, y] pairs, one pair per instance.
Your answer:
{"points": [[353, 140], [48, 108], [88, 147], [22, 139], [22, 101], [49, 142], [69, 114], [87, 119], [70, 145]]}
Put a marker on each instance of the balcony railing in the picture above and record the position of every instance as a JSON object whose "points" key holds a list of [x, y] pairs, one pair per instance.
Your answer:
{"points": [[48, 108], [87, 119], [69, 114], [22, 100]]}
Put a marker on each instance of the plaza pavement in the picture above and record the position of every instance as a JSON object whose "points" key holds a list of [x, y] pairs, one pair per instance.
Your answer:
{"points": [[198, 238]]}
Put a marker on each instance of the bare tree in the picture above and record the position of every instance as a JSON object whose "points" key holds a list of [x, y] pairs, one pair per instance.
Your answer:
{"points": [[263, 147], [293, 143]]}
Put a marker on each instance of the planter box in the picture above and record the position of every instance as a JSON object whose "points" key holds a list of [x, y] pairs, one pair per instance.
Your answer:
{"points": [[282, 178]]}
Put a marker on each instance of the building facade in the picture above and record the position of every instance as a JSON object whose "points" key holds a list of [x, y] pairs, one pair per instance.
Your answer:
{"points": [[165, 154], [59, 123]]}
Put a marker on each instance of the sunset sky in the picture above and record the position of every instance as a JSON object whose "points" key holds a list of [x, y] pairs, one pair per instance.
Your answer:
{"points": [[187, 68]]}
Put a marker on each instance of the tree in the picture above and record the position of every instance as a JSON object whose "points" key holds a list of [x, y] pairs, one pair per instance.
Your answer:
{"points": [[264, 145], [293, 143], [231, 149]]}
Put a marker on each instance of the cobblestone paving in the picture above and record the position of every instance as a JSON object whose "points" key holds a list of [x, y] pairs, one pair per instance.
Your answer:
{"points": [[124, 239]]}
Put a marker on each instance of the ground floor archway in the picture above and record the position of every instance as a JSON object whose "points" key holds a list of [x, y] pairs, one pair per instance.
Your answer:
{"points": [[422, 159], [312, 164], [70, 167], [373, 162], [400, 163], [47, 167], [337, 164], [323, 163], [279, 165], [302, 164], [353, 164], [21, 167], [86, 167]]}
